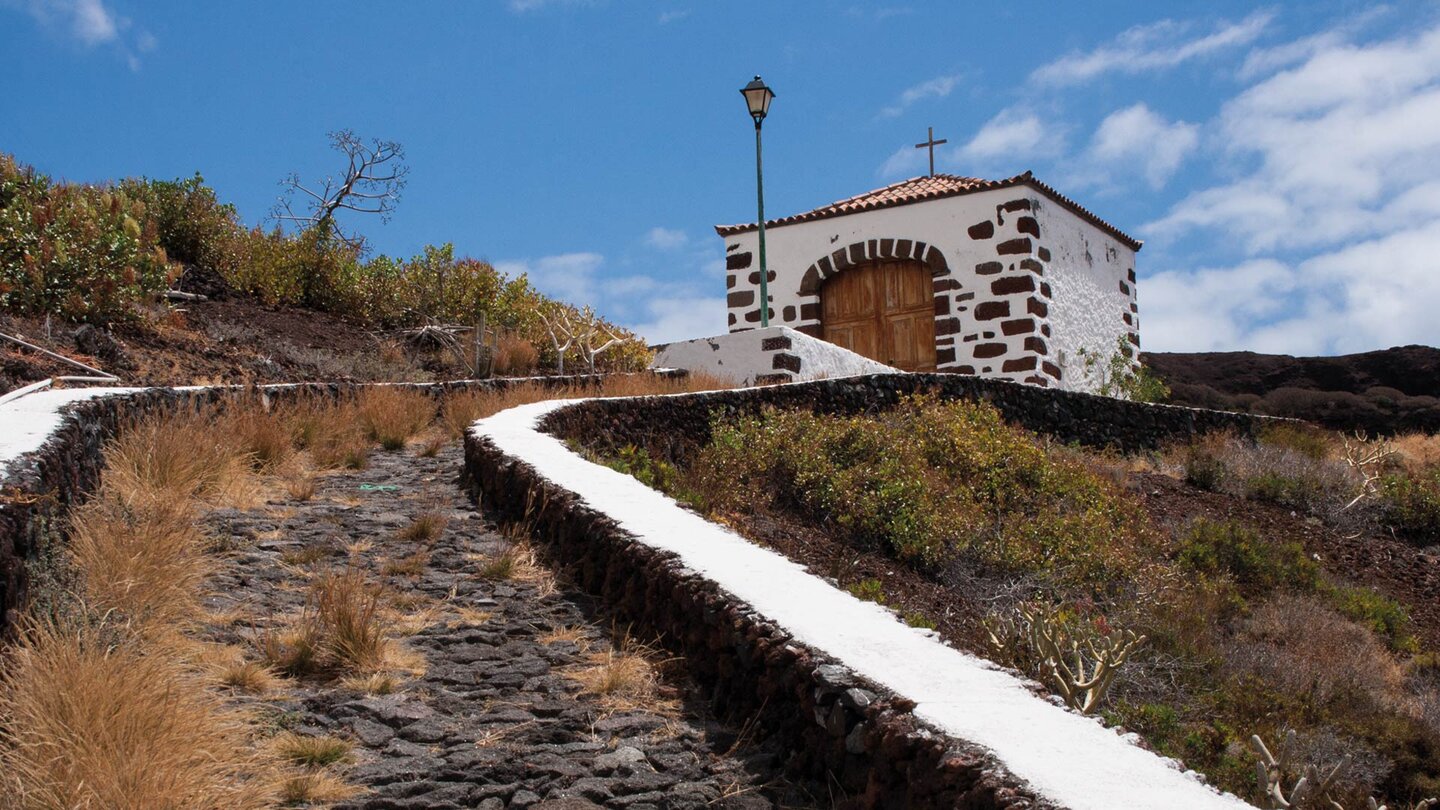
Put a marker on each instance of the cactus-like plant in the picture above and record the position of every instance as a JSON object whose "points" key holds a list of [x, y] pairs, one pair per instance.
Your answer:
{"points": [[1423, 804], [1310, 792], [1078, 659]]}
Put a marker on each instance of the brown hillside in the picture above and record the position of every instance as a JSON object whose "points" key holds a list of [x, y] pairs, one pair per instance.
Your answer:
{"points": [[1387, 391]]}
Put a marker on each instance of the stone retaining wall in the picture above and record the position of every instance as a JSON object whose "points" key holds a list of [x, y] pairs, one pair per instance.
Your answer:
{"points": [[673, 427], [840, 731], [38, 489]]}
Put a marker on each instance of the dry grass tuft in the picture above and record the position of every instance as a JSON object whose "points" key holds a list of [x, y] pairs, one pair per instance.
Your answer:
{"points": [[377, 683], [261, 434], [469, 616], [408, 623], [343, 628], [146, 560], [250, 677], [425, 528], [300, 487], [460, 410], [304, 555], [575, 635], [315, 788], [1303, 647], [294, 650], [515, 355], [329, 431], [623, 677], [352, 626], [93, 719], [391, 414], [411, 565], [503, 566], [177, 459], [1417, 452], [311, 752], [432, 444]]}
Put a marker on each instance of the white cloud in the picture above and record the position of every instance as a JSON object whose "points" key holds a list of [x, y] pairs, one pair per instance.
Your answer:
{"points": [[906, 161], [1012, 135], [1147, 48], [1369, 295], [938, 87], [88, 21], [667, 17], [1262, 61], [1337, 200], [666, 238], [523, 6], [671, 319], [1136, 136], [1326, 149], [1211, 309], [1001, 146], [662, 306], [91, 23], [567, 276]]}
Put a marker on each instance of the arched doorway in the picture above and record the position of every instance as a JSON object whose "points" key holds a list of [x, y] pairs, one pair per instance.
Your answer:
{"points": [[884, 310]]}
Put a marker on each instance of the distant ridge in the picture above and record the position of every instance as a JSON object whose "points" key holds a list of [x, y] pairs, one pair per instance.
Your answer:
{"points": [[1386, 391]]}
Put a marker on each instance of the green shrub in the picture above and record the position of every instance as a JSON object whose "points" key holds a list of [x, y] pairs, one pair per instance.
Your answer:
{"points": [[871, 590], [1302, 492], [1310, 441], [1386, 617], [915, 618], [1410, 505], [655, 473], [1237, 551], [191, 224], [929, 480], [1204, 469], [84, 253]]}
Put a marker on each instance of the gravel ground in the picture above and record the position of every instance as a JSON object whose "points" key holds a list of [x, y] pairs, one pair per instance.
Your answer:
{"points": [[499, 718]]}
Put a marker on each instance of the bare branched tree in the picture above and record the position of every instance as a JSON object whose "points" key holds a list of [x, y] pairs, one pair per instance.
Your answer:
{"points": [[371, 184], [580, 329]]}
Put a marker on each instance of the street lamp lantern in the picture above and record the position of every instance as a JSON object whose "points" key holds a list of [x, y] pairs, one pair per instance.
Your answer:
{"points": [[758, 98]]}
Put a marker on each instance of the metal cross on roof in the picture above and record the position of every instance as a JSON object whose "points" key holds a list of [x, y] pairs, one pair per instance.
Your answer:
{"points": [[930, 143]]}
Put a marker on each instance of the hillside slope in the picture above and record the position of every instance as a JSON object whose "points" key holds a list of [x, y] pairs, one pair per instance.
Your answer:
{"points": [[1386, 391]]}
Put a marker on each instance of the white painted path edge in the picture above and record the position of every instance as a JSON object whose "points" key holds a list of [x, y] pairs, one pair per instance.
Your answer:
{"points": [[26, 423], [1067, 758]]}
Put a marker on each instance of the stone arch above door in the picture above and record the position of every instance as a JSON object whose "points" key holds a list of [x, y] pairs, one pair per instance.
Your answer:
{"points": [[868, 251]]}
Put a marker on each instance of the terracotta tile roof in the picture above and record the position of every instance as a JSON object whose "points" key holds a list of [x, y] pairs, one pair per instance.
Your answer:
{"points": [[919, 189]]}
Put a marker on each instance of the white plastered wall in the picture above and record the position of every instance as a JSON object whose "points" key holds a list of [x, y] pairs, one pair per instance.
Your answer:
{"points": [[1081, 289], [1091, 276]]}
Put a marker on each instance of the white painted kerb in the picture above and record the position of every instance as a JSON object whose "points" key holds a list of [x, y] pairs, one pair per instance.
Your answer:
{"points": [[26, 423], [1069, 759]]}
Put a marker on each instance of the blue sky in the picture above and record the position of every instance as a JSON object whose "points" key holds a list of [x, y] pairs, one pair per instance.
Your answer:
{"points": [[1282, 161]]}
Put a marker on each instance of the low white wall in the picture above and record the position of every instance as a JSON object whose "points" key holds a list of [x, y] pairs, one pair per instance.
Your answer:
{"points": [[748, 357]]}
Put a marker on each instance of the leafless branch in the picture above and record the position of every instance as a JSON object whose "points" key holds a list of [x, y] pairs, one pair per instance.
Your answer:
{"points": [[375, 173]]}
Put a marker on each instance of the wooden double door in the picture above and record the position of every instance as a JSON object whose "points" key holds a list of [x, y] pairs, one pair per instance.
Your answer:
{"points": [[884, 310]]}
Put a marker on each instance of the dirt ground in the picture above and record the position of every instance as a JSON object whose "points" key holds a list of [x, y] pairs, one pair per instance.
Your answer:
{"points": [[502, 710], [232, 340]]}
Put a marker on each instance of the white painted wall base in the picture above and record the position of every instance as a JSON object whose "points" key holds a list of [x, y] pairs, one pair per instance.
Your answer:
{"points": [[743, 357]]}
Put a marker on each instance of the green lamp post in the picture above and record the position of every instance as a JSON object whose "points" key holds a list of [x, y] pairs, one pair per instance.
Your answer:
{"points": [[758, 98]]}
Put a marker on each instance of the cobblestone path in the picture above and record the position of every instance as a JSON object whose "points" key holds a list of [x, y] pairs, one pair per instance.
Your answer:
{"points": [[507, 712]]}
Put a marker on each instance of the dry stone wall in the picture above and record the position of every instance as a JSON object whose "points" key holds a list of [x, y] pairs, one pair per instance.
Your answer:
{"points": [[837, 727], [672, 427]]}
